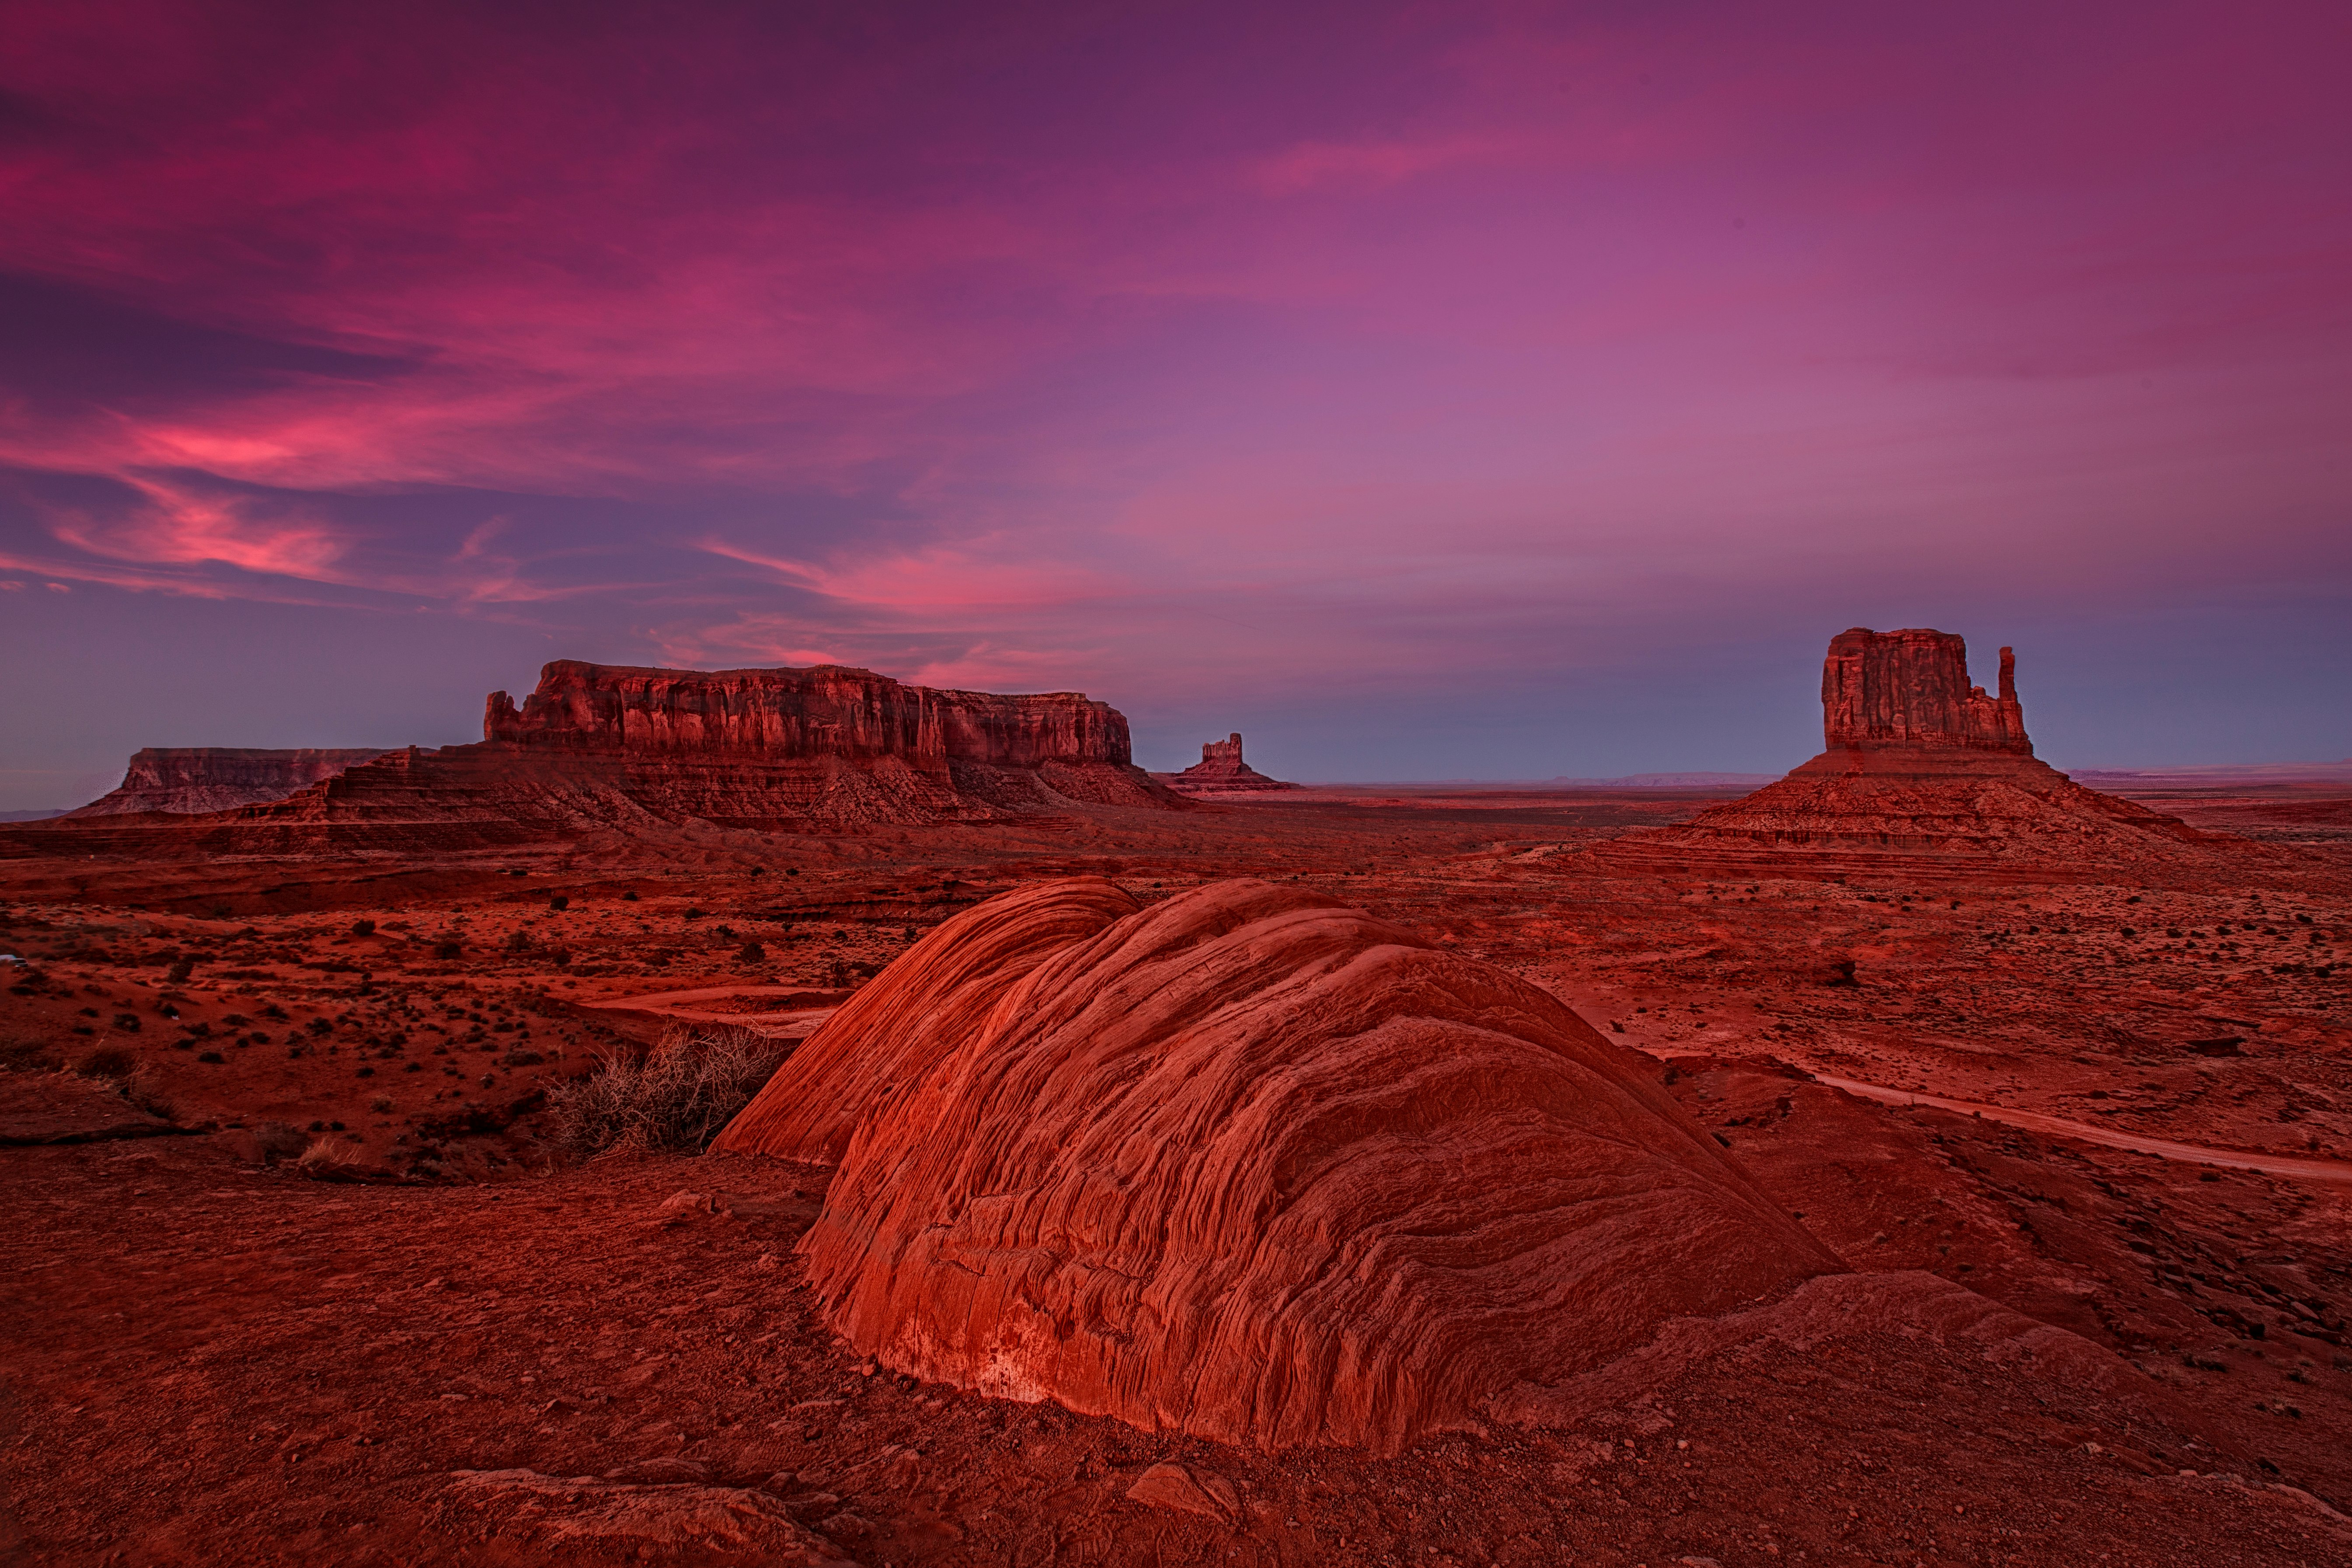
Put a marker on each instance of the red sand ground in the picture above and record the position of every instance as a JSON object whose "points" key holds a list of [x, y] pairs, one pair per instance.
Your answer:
{"points": [[210, 1358]]}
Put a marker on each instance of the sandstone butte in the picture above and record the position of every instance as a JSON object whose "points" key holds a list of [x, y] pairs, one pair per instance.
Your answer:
{"points": [[191, 780], [1221, 771], [1252, 1166], [605, 747], [1917, 761]]}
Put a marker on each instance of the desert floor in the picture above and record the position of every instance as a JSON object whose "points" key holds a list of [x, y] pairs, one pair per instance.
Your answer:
{"points": [[297, 1277]]}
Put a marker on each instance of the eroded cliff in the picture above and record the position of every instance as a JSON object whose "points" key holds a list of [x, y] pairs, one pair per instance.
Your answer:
{"points": [[191, 780]]}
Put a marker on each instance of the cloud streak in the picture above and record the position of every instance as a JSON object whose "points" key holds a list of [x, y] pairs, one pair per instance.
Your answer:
{"points": [[1213, 361]]}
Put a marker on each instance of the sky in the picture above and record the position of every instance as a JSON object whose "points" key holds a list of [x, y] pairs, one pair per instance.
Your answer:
{"points": [[1426, 391]]}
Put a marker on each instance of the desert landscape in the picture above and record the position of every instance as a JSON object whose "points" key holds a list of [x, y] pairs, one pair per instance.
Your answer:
{"points": [[1924, 1159], [929, 786]]}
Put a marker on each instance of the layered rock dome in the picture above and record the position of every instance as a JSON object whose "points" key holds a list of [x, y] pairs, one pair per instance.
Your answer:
{"points": [[1919, 760], [191, 780], [1249, 1164]]}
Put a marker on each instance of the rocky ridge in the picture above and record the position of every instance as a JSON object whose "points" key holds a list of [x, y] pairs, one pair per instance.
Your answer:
{"points": [[599, 748], [188, 780]]}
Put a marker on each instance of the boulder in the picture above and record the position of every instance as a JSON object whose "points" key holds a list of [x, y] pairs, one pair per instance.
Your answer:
{"points": [[1252, 1165]]}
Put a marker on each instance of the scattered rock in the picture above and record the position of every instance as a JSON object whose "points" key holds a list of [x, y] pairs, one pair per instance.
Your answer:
{"points": [[1188, 1490]]}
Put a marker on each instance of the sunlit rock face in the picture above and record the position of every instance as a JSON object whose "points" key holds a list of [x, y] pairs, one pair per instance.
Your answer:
{"points": [[1250, 1164]]}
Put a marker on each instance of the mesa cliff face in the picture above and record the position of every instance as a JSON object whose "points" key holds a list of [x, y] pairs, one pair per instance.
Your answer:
{"points": [[792, 714], [1921, 761], [1221, 771], [1252, 1166], [191, 780], [603, 748]]}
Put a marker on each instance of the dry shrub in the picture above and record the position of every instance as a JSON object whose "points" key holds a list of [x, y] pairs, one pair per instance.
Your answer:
{"points": [[677, 1096], [107, 1061], [329, 1155]]}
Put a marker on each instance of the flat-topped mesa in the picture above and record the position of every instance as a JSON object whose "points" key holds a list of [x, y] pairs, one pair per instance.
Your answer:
{"points": [[785, 714], [188, 780], [1221, 769], [606, 749], [1911, 688]]}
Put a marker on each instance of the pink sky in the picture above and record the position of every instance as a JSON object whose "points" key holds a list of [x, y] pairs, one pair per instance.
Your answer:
{"points": [[1446, 391]]}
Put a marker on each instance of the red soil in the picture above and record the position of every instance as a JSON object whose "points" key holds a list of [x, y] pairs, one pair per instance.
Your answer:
{"points": [[197, 1340]]}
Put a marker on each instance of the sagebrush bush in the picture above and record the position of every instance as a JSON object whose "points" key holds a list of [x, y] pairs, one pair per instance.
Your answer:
{"points": [[677, 1096], [107, 1061], [329, 1155]]}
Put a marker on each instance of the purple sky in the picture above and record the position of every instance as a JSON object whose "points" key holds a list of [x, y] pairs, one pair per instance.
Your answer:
{"points": [[1430, 391]]}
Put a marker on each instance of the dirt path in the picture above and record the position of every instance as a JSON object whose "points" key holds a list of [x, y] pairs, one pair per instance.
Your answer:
{"points": [[2058, 1126]]}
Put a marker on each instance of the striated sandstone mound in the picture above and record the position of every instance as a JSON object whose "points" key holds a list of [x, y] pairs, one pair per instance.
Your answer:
{"points": [[189, 779], [611, 748], [1221, 771], [1252, 1165], [1922, 762]]}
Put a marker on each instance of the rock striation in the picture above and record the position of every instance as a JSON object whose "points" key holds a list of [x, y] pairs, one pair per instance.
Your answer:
{"points": [[1920, 762], [792, 715], [1911, 688], [1249, 1164], [1221, 771], [607, 748], [189, 779]]}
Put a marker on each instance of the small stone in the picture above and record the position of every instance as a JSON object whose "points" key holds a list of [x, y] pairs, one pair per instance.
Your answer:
{"points": [[1203, 1492]]}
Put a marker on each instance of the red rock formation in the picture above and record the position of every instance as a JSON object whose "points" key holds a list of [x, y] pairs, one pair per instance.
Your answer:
{"points": [[611, 748], [1249, 1164], [1221, 771], [825, 711], [189, 779], [1919, 762], [1911, 685]]}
